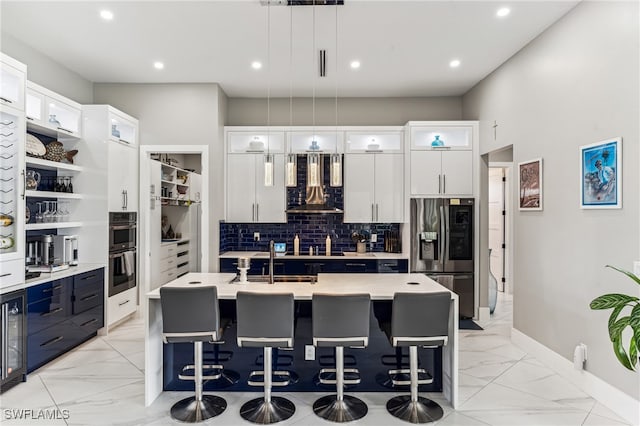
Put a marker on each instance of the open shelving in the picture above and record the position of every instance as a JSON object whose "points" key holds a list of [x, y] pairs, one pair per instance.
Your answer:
{"points": [[41, 163]]}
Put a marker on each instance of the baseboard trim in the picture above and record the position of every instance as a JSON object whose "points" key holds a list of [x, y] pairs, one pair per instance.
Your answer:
{"points": [[609, 396], [484, 314]]}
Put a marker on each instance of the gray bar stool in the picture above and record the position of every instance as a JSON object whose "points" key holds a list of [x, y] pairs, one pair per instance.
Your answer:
{"points": [[339, 321], [418, 320], [265, 320], [190, 315]]}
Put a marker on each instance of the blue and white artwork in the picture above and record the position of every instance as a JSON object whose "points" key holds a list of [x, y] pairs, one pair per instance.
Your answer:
{"points": [[601, 174]]}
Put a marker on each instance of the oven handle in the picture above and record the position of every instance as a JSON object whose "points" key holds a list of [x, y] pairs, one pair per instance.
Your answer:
{"points": [[119, 227], [114, 255]]}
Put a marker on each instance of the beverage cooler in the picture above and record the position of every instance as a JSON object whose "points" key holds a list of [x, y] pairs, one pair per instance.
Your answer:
{"points": [[13, 339]]}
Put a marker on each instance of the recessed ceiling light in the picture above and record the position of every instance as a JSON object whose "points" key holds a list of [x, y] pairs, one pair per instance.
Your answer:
{"points": [[502, 12], [355, 64], [107, 15], [158, 65], [455, 63], [256, 65]]}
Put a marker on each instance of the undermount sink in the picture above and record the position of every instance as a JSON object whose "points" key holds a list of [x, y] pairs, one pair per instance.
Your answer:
{"points": [[312, 279], [356, 254]]}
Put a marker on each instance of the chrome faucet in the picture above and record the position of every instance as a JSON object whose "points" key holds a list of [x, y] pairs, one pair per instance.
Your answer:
{"points": [[272, 254]]}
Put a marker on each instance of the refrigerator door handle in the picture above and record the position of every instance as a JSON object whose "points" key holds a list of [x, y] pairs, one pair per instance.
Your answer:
{"points": [[442, 236], [447, 233]]}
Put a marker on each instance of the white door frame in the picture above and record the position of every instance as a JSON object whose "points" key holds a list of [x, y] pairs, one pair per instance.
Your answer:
{"points": [[145, 232], [510, 206]]}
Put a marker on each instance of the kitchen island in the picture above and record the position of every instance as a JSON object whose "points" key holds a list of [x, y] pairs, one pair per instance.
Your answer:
{"points": [[381, 287]]}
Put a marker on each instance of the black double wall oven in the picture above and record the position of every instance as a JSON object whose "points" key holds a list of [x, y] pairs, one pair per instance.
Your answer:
{"points": [[122, 251]]}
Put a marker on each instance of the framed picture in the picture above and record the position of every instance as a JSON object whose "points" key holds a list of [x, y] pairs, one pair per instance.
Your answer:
{"points": [[601, 175], [530, 185]]}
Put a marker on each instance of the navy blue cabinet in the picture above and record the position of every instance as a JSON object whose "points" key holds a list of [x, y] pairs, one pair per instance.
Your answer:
{"points": [[293, 266], [61, 314]]}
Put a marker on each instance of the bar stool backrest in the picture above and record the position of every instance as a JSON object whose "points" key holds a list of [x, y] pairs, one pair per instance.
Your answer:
{"points": [[420, 319], [189, 314], [265, 319], [341, 320]]}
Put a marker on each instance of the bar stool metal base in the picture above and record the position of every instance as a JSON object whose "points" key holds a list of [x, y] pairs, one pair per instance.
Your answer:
{"points": [[421, 411], [264, 413], [190, 410], [350, 408]]}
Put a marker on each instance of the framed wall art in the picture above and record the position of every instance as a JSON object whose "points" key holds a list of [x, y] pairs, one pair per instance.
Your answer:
{"points": [[601, 175], [530, 185]]}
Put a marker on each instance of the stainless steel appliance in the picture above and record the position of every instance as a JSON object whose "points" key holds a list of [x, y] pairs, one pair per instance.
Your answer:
{"points": [[122, 251], [442, 239], [122, 230], [13, 337], [65, 248]]}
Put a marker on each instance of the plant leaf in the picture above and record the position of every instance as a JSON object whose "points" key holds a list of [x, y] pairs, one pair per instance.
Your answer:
{"points": [[634, 320], [633, 351], [615, 331], [612, 300], [636, 335], [622, 356], [627, 273], [612, 320]]}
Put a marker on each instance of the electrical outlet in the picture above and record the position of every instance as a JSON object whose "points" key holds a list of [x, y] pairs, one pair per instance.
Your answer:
{"points": [[636, 268], [309, 352], [374, 238], [256, 236]]}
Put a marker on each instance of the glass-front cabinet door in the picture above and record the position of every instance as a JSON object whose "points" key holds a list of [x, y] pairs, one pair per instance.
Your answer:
{"points": [[12, 78], [122, 129], [63, 116]]}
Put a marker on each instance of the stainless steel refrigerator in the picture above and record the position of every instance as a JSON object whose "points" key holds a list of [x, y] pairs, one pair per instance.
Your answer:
{"points": [[442, 239]]}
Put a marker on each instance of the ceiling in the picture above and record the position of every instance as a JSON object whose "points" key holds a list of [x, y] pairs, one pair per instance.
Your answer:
{"points": [[404, 47]]}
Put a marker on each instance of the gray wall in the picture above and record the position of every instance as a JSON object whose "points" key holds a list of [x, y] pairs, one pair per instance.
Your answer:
{"points": [[177, 114], [351, 111], [48, 73], [574, 85]]}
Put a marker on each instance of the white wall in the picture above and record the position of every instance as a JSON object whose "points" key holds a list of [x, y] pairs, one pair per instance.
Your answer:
{"points": [[351, 111], [176, 114], [574, 85], [48, 73]]}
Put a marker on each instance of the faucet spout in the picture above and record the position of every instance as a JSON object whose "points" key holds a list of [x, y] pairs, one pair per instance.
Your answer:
{"points": [[272, 254]]}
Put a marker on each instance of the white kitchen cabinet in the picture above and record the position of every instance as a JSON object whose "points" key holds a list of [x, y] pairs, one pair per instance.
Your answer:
{"points": [[248, 199], [195, 188], [441, 158], [441, 173], [12, 82], [122, 153], [123, 178], [308, 139], [121, 305], [373, 188], [52, 114]]}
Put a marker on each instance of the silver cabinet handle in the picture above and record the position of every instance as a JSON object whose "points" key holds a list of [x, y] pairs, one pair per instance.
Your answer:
{"points": [[439, 184], [55, 311], [65, 130], [444, 184], [93, 296], [6, 275], [54, 340], [9, 101], [91, 321], [124, 303], [257, 212], [377, 213], [122, 199], [126, 199], [373, 213], [5, 329], [24, 185]]}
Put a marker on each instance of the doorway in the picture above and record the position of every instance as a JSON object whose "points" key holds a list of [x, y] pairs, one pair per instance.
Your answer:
{"points": [[500, 176]]}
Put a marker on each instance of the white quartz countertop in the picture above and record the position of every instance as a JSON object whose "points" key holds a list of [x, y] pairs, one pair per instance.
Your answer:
{"points": [[46, 277], [379, 286], [349, 255]]}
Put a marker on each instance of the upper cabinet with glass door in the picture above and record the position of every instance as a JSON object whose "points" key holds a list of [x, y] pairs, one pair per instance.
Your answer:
{"points": [[441, 136], [52, 114], [373, 139], [242, 140], [123, 128], [308, 139], [12, 78]]}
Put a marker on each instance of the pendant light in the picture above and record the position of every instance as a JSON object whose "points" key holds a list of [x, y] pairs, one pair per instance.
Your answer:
{"points": [[291, 175], [314, 163], [335, 170], [268, 157]]}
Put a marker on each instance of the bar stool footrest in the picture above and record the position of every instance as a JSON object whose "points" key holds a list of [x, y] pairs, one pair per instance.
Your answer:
{"points": [[191, 367], [279, 378]]}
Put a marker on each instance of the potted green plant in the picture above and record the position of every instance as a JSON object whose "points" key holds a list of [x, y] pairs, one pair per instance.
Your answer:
{"points": [[618, 302]]}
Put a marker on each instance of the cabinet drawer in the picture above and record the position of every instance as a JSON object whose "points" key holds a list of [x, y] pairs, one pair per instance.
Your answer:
{"points": [[51, 342], [166, 251], [181, 270], [47, 312], [12, 272], [55, 289], [169, 275], [88, 296], [168, 264], [121, 305], [89, 278], [90, 320]]}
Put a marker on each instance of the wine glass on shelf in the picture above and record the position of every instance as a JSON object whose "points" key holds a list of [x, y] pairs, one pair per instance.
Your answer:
{"points": [[63, 210], [69, 186], [39, 216], [55, 213], [47, 215]]}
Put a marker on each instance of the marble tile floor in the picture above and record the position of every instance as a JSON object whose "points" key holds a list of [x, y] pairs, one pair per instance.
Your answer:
{"points": [[102, 383]]}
